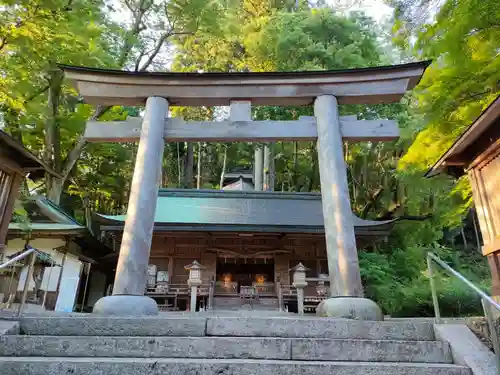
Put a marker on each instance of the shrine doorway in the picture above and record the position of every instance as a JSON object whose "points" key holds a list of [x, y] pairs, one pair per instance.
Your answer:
{"points": [[233, 273]]}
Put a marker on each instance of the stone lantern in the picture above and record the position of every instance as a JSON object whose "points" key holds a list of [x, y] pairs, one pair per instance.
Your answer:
{"points": [[194, 281], [299, 282]]}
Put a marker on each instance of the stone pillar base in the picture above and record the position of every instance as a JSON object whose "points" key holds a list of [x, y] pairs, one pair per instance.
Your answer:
{"points": [[126, 305], [350, 308]]}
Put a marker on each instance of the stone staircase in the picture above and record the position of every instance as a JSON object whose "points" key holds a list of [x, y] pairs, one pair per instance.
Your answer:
{"points": [[223, 345], [231, 303]]}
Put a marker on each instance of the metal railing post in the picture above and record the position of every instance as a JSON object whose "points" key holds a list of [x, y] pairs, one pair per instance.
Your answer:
{"points": [[29, 276], [48, 285], [88, 266], [487, 302], [435, 301]]}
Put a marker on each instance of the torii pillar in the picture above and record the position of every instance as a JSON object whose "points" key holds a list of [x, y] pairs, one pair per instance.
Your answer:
{"points": [[346, 290], [131, 272]]}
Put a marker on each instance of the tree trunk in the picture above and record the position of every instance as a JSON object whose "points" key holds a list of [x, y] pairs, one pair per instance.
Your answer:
{"points": [[476, 232], [178, 166], [464, 239], [314, 166], [224, 161], [198, 168], [52, 154], [88, 214], [296, 166], [266, 168], [188, 166], [272, 168], [54, 188]]}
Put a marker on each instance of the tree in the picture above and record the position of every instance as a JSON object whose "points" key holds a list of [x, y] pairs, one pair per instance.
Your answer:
{"points": [[37, 35], [34, 37], [463, 41]]}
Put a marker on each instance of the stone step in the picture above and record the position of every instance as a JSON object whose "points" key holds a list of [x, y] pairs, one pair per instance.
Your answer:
{"points": [[236, 303], [197, 325], [319, 328], [226, 347], [176, 366], [114, 326]]}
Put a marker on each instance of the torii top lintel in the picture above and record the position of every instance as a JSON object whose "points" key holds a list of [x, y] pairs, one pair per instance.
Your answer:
{"points": [[376, 85]]}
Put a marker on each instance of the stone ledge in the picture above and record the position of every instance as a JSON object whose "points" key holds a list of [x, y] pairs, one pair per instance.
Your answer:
{"points": [[319, 328], [154, 366], [371, 350], [466, 348], [9, 327], [226, 347], [113, 326]]}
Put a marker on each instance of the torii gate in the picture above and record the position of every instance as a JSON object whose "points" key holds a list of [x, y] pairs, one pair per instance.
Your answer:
{"points": [[324, 89]]}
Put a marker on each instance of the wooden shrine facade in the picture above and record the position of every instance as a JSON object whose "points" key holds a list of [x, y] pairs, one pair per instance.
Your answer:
{"points": [[242, 238]]}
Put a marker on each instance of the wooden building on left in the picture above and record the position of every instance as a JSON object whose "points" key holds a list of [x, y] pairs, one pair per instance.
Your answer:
{"points": [[16, 162], [68, 275]]}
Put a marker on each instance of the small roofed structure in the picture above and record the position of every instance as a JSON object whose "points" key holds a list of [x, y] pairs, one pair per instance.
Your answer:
{"points": [[477, 153], [16, 162], [67, 268], [238, 179]]}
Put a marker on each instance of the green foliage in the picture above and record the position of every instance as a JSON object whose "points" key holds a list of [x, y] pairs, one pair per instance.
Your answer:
{"points": [[463, 41], [34, 35], [312, 40], [398, 280]]}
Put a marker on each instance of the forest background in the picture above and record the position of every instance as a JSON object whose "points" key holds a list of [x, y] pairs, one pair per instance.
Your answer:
{"points": [[386, 181]]}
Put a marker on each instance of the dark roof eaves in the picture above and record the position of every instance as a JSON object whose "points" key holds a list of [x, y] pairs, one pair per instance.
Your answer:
{"points": [[423, 64], [264, 228], [235, 194], [10, 142]]}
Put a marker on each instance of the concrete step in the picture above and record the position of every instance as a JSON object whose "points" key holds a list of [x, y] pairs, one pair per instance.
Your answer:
{"points": [[226, 347], [176, 366], [198, 325]]}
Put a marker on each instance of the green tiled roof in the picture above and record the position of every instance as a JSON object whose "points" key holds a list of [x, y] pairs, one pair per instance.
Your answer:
{"points": [[239, 209]]}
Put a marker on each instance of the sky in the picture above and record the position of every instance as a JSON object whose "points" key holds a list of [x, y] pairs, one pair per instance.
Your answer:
{"points": [[376, 9]]}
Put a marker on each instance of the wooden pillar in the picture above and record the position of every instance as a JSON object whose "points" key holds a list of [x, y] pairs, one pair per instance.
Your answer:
{"points": [[494, 263], [343, 264], [13, 192], [131, 271], [170, 269]]}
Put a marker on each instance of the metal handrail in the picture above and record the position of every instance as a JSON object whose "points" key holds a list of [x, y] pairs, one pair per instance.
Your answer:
{"points": [[23, 255], [487, 301], [30, 251]]}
